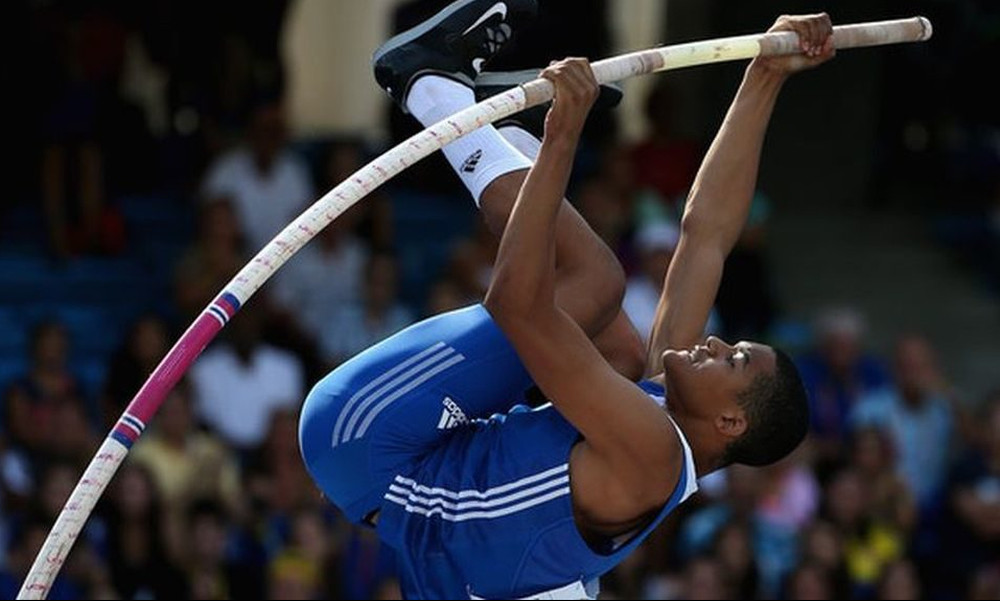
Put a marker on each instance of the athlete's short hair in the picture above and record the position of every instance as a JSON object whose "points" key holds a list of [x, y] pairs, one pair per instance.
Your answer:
{"points": [[777, 413]]}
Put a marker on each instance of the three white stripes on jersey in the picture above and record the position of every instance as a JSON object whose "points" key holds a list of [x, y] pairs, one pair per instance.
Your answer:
{"points": [[471, 504], [378, 395], [453, 505]]}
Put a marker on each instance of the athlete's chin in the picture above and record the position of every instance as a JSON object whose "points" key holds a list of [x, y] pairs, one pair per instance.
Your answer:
{"points": [[675, 361]]}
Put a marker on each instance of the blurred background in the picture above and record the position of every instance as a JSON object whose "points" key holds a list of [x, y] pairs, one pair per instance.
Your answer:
{"points": [[156, 146]]}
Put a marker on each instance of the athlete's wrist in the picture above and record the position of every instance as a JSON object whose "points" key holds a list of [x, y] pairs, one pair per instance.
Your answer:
{"points": [[763, 72], [561, 134]]}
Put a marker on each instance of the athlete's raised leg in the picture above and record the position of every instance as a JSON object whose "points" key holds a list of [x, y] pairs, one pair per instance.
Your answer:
{"points": [[431, 85]]}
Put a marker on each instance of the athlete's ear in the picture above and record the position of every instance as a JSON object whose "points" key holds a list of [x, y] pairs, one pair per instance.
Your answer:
{"points": [[732, 423]]}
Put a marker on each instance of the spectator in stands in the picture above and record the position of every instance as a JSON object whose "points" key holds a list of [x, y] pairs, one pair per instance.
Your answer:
{"points": [[86, 127], [869, 544], [899, 581], [55, 485], [315, 538], [357, 326], [276, 483], [654, 243], [212, 572], [664, 160], [145, 344], [310, 557], [34, 397], [791, 495], [471, 262], [822, 545], [266, 182], [873, 454], [71, 436], [323, 277], [329, 272], [971, 529], [809, 582], [705, 578], [916, 411], [366, 564], [446, 294], [374, 222], [734, 549], [836, 374], [789, 499], [187, 463], [141, 566], [741, 493], [291, 575], [746, 302], [211, 261], [240, 382], [606, 200], [985, 584]]}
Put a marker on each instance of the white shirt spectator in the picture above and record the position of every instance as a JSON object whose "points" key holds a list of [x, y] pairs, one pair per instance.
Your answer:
{"points": [[349, 331], [236, 399], [656, 243], [641, 297], [319, 280], [922, 436], [264, 202]]}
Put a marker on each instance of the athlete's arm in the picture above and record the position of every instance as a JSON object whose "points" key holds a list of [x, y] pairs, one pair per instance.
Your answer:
{"points": [[719, 201], [625, 433]]}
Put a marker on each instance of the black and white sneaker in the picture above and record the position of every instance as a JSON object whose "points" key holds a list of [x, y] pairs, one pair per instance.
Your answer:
{"points": [[454, 43], [533, 119]]}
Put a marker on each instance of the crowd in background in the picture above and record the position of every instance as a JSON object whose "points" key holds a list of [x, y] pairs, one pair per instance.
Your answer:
{"points": [[895, 494]]}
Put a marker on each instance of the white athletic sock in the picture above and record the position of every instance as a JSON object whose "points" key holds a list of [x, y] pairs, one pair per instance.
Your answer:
{"points": [[524, 141], [478, 157]]}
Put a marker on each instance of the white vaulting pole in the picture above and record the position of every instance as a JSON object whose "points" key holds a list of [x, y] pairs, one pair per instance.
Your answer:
{"points": [[147, 401]]}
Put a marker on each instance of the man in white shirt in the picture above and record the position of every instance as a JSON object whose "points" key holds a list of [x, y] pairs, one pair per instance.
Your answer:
{"points": [[655, 243], [269, 185], [240, 381]]}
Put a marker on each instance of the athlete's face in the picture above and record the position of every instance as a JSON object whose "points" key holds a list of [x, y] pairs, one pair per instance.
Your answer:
{"points": [[707, 379]]}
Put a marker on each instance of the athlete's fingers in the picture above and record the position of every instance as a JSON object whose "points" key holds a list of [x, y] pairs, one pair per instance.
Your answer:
{"points": [[582, 78]]}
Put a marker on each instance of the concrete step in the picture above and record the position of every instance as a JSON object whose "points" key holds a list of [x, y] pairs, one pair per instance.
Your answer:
{"points": [[887, 266]]}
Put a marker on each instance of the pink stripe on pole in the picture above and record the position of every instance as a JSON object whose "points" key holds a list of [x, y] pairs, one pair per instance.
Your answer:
{"points": [[172, 367]]}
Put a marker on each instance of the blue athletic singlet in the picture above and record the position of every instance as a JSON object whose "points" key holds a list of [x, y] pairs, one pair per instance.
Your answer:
{"points": [[472, 487]]}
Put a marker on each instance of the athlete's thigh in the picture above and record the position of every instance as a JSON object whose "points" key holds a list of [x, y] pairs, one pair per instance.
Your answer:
{"points": [[390, 404]]}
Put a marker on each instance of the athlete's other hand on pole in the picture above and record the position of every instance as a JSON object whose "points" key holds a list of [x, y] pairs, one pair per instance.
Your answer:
{"points": [[576, 90], [815, 40]]}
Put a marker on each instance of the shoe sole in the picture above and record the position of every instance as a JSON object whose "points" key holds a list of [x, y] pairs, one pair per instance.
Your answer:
{"points": [[412, 34]]}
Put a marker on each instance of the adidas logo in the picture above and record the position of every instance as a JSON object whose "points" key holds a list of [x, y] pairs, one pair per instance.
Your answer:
{"points": [[451, 416], [470, 163]]}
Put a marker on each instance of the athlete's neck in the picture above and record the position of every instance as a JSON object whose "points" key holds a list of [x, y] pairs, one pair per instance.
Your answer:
{"points": [[700, 435], [701, 439]]}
